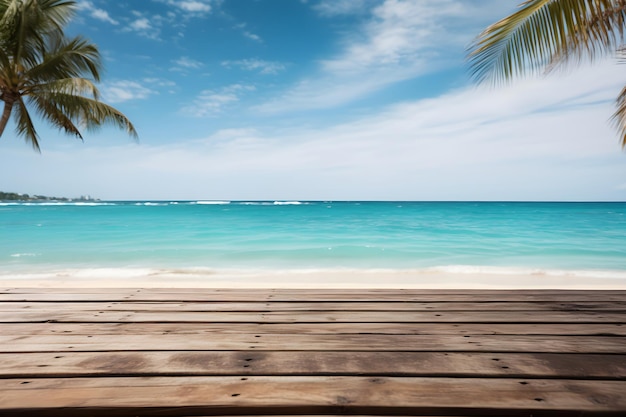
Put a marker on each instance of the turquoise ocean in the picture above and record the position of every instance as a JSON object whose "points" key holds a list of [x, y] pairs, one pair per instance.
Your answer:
{"points": [[459, 237]]}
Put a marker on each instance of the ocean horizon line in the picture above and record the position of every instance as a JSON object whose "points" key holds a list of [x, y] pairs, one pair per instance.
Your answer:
{"points": [[295, 201]]}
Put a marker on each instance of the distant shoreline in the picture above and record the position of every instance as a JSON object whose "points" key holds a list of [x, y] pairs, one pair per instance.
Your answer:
{"points": [[16, 197]]}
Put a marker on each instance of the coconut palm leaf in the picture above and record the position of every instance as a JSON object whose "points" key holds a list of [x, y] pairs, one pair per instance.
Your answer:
{"points": [[25, 125], [42, 69], [82, 111], [67, 58], [542, 32], [545, 34], [619, 117]]}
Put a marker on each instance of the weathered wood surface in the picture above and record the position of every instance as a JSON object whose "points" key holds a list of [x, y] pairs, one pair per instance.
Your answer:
{"points": [[375, 295], [553, 329], [179, 352], [502, 316]]}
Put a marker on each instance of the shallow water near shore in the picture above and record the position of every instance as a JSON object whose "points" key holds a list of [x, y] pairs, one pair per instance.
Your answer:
{"points": [[222, 240]]}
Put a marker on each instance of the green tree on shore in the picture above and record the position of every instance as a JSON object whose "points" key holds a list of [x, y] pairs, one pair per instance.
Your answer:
{"points": [[544, 34], [41, 69]]}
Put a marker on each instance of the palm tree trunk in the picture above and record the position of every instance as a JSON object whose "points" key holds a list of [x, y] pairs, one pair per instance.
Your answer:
{"points": [[6, 113]]}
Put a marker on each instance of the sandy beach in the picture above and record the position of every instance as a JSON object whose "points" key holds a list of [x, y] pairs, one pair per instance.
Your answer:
{"points": [[314, 279]]}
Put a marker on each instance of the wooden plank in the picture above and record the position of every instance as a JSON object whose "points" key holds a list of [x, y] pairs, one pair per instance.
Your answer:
{"points": [[185, 363], [316, 317], [207, 295], [412, 343], [367, 395], [306, 291], [318, 306], [554, 329]]}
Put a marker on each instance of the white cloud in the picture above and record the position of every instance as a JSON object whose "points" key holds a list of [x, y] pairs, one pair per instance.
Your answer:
{"points": [[212, 102], [192, 7], [247, 33], [264, 67], [185, 63], [140, 25], [540, 139], [400, 40], [159, 82], [95, 12], [332, 8], [252, 36], [144, 25], [104, 16], [124, 90]]}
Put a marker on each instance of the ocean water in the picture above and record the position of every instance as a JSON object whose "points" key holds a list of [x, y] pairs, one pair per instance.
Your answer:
{"points": [[461, 237]]}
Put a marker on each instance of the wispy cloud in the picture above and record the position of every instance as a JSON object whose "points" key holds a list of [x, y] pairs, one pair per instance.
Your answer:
{"points": [[540, 139], [192, 6], [125, 90], [263, 67], [146, 26], [213, 102], [399, 40], [332, 8], [95, 12], [245, 32], [185, 63]]}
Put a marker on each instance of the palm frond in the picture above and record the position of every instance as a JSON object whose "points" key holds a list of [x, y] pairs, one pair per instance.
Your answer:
{"points": [[619, 117], [53, 73], [600, 34], [67, 58], [72, 86], [24, 124], [542, 32], [27, 25], [82, 111]]}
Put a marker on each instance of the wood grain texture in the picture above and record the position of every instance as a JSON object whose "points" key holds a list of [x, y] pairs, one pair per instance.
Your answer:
{"points": [[317, 393], [554, 329], [220, 363], [295, 342], [179, 352]]}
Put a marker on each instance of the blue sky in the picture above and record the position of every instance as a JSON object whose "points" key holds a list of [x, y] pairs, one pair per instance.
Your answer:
{"points": [[322, 100]]}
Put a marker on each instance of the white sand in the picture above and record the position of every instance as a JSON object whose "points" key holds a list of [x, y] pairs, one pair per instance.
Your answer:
{"points": [[319, 279]]}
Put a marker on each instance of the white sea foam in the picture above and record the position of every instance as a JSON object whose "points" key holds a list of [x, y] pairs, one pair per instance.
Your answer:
{"points": [[452, 277], [150, 203], [21, 255], [288, 203], [498, 270], [211, 202]]}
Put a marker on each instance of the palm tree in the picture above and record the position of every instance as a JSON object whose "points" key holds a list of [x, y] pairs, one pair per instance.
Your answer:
{"points": [[42, 69], [544, 34]]}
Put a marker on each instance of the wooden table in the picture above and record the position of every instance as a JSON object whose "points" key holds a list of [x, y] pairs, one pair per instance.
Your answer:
{"points": [[183, 352]]}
